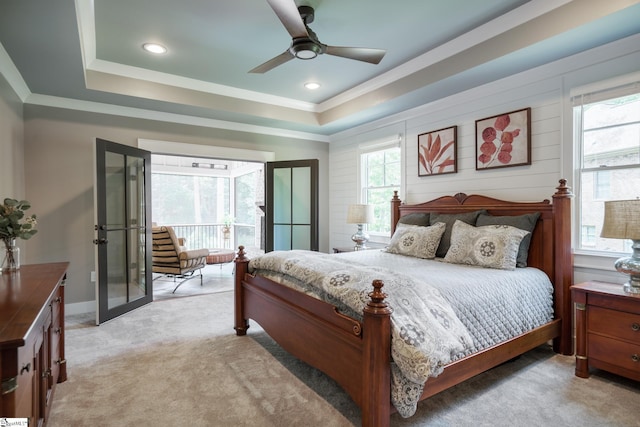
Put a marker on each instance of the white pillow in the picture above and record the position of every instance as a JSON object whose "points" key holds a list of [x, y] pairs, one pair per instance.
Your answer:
{"points": [[491, 246], [417, 241]]}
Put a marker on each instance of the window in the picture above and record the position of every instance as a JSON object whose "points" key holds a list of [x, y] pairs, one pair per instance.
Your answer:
{"points": [[189, 199], [602, 185], [246, 187], [588, 235], [607, 133], [380, 178]]}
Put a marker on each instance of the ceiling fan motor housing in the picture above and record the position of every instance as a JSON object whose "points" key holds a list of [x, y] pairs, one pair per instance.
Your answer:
{"points": [[305, 48]]}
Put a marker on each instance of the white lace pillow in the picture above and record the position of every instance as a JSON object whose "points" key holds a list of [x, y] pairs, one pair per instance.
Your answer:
{"points": [[416, 241], [491, 246]]}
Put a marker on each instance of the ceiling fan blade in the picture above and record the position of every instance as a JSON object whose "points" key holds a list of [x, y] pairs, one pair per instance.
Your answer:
{"points": [[372, 56], [289, 15], [273, 63]]}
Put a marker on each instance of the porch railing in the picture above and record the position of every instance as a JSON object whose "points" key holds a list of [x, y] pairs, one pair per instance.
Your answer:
{"points": [[212, 235]]}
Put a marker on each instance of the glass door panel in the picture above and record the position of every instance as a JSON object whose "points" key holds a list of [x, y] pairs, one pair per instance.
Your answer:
{"points": [[301, 237], [300, 195], [282, 194]]}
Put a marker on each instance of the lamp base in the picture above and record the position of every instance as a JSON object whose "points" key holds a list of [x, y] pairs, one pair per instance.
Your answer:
{"points": [[631, 266], [360, 238]]}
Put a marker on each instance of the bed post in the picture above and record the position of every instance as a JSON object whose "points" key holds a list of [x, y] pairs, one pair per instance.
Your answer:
{"points": [[376, 378], [395, 211], [242, 267], [563, 266]]}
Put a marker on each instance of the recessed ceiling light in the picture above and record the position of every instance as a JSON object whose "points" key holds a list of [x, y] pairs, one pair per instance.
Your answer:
{"points": [[154, 48], [312, 85]]}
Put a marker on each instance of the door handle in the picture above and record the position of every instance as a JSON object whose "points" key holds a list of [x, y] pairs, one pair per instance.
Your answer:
{"points": [[101, 241]]}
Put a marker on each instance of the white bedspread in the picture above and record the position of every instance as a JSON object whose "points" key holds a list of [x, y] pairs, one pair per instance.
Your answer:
{"points": [[468, 308], [494, 305]]}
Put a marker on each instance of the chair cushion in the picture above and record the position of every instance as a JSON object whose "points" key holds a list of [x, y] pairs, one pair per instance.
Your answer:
{"points": [[169, 257]]}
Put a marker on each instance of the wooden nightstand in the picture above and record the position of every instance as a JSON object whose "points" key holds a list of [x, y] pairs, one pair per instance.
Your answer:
{"points": [[607, 329]]}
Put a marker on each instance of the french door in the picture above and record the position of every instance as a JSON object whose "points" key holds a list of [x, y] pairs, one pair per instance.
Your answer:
{"points": [[123, 229], [291, 211]]}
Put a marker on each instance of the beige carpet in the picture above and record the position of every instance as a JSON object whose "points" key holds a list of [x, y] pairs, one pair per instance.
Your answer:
{"points": [[202, 382], [177, 362], [215, 278]]}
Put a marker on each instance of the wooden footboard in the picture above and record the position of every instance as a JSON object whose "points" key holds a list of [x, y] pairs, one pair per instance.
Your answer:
{"points": [[355, 354]]}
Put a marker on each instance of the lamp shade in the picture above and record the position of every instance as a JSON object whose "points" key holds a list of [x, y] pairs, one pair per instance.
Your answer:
{"points": [[360, 214], [621, 219]]}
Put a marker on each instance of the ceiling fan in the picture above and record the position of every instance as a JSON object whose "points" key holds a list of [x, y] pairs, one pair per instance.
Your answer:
{"points": [[305, 43]]}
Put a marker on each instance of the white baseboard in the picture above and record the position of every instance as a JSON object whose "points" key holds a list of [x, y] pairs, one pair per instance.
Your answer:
{"points": [[80, 308]]}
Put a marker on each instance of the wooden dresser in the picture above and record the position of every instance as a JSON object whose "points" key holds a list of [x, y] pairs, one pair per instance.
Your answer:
{"points": [[607, 329], [31, 340]]}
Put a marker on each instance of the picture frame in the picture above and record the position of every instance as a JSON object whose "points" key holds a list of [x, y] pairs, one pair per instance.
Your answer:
{"points": [[504, 140], [437, 152]]}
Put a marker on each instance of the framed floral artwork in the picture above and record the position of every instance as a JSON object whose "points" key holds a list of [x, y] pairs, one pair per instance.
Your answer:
{"points": [[504, 140], [437, 152]]}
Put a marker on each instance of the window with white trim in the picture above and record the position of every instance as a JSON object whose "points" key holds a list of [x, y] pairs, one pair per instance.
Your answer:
{"points": [[380, 176], [607, 139]]}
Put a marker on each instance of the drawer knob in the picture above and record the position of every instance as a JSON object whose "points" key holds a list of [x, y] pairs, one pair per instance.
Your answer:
{"points": [[635, 327], [635, 358], [25, 368]]}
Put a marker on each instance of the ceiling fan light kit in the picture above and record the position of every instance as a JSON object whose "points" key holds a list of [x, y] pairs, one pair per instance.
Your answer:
{"points": [[305, 49], [304, 42]]}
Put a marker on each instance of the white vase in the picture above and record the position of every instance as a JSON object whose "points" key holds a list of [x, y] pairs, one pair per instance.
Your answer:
{"points": [[10, 255]]}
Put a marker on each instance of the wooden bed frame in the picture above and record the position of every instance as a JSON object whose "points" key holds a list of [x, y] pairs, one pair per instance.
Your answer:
{"points": [[356, 354]]}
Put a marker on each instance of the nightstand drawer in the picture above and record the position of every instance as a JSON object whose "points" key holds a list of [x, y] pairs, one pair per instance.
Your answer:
{"points": [[619, 353], [617, 324]]}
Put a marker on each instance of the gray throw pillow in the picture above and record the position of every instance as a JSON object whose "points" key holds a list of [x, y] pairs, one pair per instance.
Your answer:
{"points": [[525, 222], [449, 220], [415, 219]]}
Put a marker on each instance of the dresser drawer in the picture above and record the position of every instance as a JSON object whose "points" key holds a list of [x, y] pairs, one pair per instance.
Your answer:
{"points": [[614, 352], [617, 324], [26, 371]]}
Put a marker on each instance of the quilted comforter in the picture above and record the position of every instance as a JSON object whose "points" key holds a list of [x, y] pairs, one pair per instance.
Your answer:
{"points": [[432, 324]]}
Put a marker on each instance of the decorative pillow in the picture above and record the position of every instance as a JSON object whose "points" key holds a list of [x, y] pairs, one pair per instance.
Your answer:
{"points": [[491, 246], [415, 219], [450, 219], [525, 222], [416, 241]]}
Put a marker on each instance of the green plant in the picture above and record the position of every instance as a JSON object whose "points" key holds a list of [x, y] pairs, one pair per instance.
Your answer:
{"points": [[228, 220], [13, 223]]}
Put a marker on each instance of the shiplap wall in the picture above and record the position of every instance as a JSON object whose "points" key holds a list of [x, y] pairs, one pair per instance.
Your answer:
{"points": [[544, 89]]}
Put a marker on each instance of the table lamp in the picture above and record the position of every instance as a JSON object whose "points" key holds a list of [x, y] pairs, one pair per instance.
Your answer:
{"points": [[622, 221], [360, 214]]}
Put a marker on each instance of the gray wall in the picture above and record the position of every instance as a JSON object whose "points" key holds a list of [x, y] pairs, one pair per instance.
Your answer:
{"points": [[11, 143], [59, 174]]}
